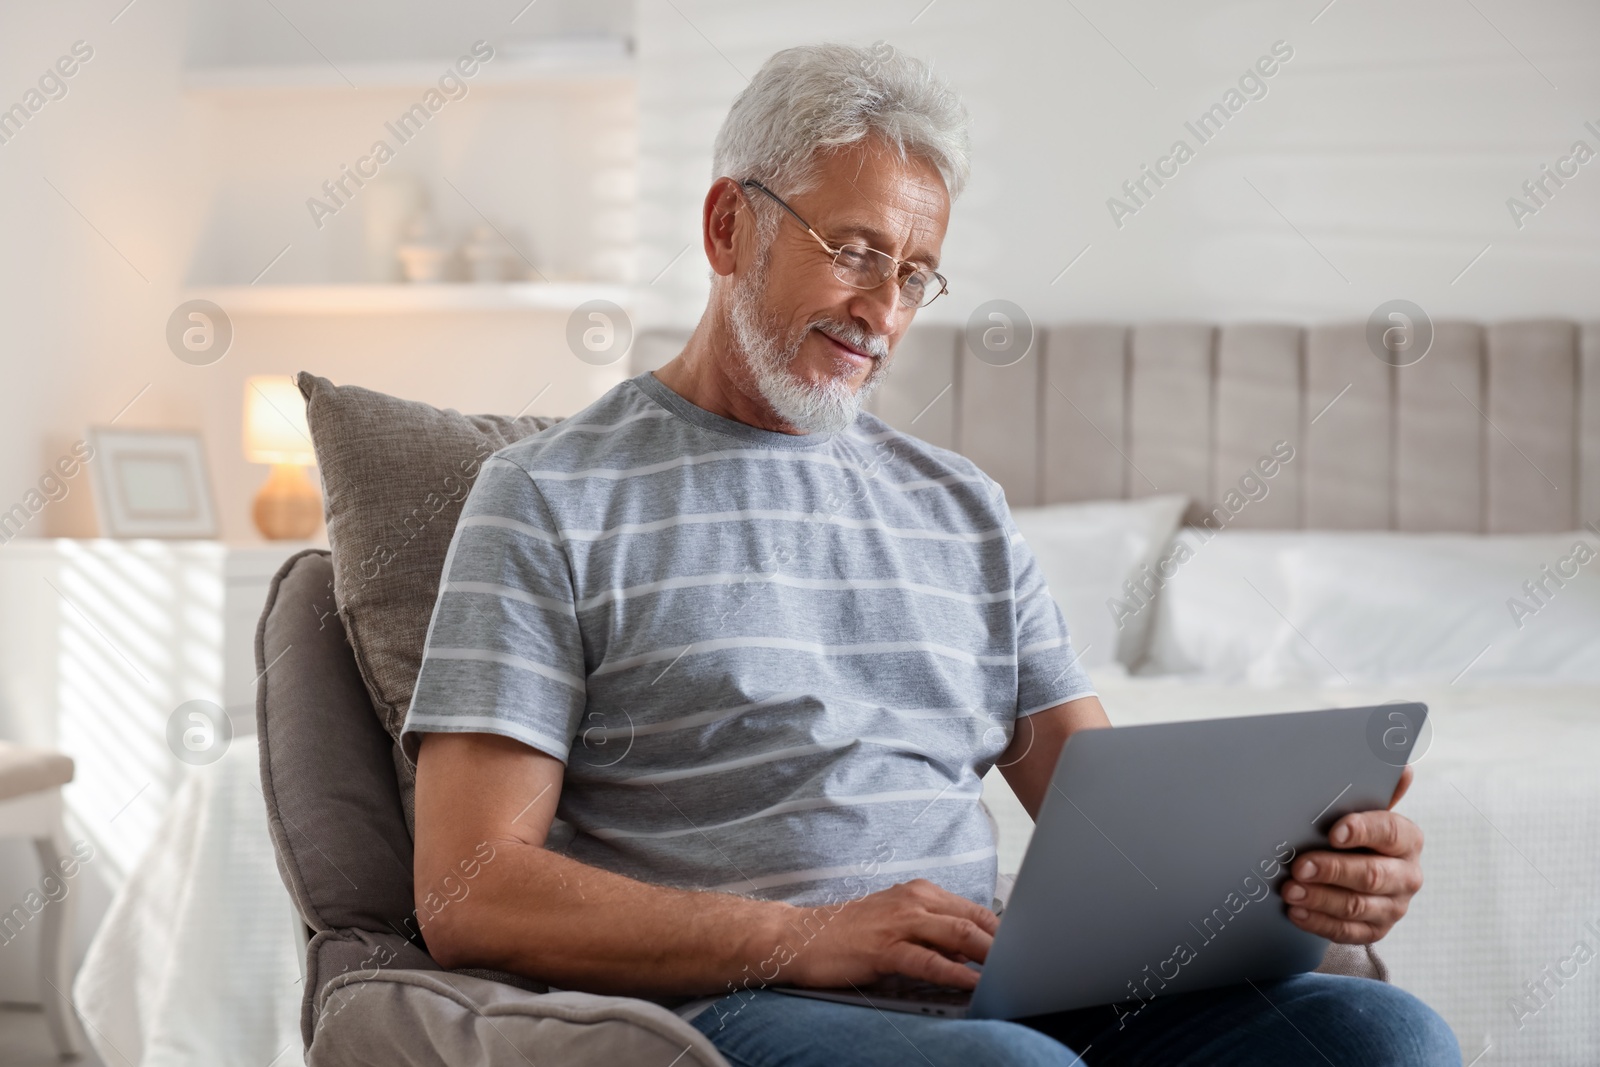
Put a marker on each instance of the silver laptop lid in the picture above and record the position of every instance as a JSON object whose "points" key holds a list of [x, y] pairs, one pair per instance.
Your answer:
{"points": [[1158, 851]]}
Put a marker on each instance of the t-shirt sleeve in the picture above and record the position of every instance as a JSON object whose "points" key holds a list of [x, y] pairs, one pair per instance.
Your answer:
{"points": [[1048, 672], [504, 654]]}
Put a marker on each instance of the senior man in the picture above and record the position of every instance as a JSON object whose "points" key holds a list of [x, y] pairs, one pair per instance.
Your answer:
{"points": [[757, 650]]}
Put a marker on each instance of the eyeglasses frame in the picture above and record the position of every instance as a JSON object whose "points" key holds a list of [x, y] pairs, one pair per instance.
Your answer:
{"points": [[944, 286]]}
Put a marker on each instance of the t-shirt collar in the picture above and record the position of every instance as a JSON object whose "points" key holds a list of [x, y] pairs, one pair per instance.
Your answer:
{"points": [[657, 390]]}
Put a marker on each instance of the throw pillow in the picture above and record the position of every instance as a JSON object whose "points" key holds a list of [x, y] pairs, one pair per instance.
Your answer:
{"points": [[395, 474]]}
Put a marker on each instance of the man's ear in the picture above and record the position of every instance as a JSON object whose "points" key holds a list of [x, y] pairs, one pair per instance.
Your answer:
{"points": [[724, 214]]}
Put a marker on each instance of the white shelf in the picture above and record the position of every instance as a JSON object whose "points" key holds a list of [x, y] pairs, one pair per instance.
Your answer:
{"points": [[401, 299], [499, 73]]}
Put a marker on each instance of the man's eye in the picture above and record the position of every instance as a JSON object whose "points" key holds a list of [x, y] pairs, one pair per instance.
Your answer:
{"points": [[855, 257]]}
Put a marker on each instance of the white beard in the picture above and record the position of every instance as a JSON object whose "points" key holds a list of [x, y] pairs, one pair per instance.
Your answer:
{"points": [[821, 407]]}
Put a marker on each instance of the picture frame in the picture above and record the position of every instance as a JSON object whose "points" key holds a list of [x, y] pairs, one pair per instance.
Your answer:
{"points": [[151, 483]]}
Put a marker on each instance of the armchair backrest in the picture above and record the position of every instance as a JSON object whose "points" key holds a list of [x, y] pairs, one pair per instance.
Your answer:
{"points": [[338, 648], [333, 804]]}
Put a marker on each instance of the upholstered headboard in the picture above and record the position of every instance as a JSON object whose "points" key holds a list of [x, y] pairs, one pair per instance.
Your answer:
{"points": [[1495, 430]]}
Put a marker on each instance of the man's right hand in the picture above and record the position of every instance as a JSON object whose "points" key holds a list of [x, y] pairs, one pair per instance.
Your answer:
{"points": [[917, 929]]}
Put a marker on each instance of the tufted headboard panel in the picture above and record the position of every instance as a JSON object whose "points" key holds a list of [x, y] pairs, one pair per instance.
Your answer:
{"points": [[1495, 430]]}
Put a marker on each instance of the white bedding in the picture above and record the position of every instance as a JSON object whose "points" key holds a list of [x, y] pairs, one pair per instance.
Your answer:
{"points": [[1295, 608], [1508, 796], [196, 962]]}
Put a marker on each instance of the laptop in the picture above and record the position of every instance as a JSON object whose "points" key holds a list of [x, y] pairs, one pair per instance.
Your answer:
{"points": [[1156, 859]]}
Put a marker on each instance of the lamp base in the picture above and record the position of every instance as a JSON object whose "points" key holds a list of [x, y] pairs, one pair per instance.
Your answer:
{"points": [[288, 507]]}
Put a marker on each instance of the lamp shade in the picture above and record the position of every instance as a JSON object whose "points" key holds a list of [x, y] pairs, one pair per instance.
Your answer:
{"points": [[275, 429]]}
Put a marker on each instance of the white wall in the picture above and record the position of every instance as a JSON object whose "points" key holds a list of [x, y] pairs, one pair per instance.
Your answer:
{"points": [[1391, 141], [178, 188]]}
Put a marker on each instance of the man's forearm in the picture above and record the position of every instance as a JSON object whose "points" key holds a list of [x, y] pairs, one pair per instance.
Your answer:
{"points": [[538, 913]]}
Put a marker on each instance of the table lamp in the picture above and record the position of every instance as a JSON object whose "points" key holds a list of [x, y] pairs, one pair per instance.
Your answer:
{"points": [[275, 431]]}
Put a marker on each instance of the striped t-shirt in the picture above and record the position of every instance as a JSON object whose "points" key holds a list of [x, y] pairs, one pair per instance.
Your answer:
{"points": [[774, 665]]}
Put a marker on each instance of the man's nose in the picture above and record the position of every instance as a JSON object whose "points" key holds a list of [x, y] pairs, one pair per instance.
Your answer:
{"points": [[879, 308]]}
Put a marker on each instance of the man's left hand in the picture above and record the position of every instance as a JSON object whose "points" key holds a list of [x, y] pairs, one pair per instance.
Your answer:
{"points": [[1356, 898]]}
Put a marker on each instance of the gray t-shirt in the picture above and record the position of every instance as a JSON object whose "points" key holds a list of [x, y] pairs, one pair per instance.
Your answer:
{"points": [[775, 665]]}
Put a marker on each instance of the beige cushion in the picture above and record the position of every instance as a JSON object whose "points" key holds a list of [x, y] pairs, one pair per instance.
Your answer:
{"points": [[436, 1019], [31, 770], [394, 476]]}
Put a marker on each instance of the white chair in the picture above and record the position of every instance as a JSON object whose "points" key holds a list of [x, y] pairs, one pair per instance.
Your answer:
{"points": [[30, 806]]}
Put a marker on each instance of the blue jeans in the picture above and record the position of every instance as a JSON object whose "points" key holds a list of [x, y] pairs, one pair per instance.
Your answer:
{"points": [[1308, 1019]]}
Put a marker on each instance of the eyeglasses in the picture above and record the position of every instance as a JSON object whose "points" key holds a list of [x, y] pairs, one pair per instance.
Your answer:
{"points": [[867, 268]]}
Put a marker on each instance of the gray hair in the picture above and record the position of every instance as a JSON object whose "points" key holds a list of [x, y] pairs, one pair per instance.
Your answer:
{"points": [[824, 96]]}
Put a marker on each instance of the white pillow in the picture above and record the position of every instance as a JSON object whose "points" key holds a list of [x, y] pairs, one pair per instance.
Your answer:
{"points": [[1443, 607], [1214, 613], [1086, 552], [1378, 607]]}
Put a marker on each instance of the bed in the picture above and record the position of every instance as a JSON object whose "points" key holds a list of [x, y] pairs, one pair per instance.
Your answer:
{"points": [[1305, 525], [1235, 520], [1507, 787]]}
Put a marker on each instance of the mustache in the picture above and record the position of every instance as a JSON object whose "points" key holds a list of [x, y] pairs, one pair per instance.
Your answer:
{"points": [[875, 345]]}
